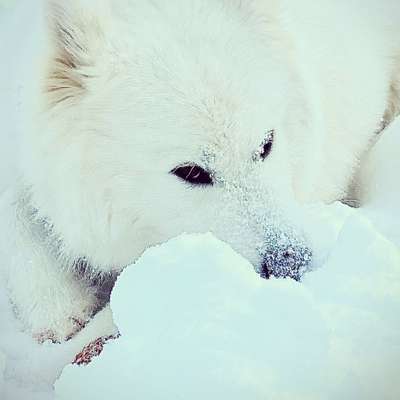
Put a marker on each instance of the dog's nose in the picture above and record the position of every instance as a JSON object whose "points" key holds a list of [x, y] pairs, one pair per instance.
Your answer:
{"points": [[291, 262]]}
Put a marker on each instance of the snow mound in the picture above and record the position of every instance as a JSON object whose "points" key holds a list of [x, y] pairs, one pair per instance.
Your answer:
{"points": [[197, 322]]}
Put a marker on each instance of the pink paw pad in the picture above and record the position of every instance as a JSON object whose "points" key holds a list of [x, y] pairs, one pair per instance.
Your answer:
{"points": [[92, 350]]}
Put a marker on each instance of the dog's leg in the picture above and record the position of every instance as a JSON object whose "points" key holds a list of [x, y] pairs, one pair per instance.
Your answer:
{"points": [[49, 300]]}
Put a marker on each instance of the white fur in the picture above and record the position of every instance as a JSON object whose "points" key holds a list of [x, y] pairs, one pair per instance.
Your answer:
{"points": [[146, 86]]}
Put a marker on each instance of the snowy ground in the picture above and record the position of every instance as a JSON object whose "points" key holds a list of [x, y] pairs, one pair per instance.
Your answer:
{"points": [[197, 323]]}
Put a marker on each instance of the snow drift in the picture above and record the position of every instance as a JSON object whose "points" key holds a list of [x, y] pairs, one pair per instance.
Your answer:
{"points": [[197, 322]]}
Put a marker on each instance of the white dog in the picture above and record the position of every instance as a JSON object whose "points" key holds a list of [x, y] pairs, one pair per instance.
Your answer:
{"points": [[140, 120]]}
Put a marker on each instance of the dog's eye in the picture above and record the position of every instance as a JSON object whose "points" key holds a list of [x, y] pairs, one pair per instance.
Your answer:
{"points": [[194, 174], [265, 149]]}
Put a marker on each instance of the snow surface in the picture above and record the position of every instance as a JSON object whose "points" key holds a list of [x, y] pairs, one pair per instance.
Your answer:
{"points": [[197, 323]]}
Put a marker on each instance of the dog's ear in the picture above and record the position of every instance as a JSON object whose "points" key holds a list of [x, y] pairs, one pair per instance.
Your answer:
{"points": [[75, 34]]}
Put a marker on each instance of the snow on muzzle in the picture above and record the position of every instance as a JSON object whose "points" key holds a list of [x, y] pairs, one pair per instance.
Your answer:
{"points": [[287, 256], [265, 231]]}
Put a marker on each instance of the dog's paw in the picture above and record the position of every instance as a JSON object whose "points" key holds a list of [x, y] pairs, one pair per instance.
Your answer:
{"points": [[63, 332], [45, 336], [62, 319]]}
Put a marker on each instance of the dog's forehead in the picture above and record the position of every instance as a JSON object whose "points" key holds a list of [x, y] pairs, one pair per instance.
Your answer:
{"points": [[213, 97], [217, 129], [231, 129], [229, 125]]}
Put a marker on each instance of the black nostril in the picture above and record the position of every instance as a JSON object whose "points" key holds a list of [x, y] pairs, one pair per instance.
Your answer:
{"points": [[291, 263], [269, 270], [265, 272]]}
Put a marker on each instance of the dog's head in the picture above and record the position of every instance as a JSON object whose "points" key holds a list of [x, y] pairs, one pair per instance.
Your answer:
{"points": [[169, 117]]}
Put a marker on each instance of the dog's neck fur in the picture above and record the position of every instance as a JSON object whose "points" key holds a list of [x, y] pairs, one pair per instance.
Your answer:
{"points": [[40, 231], [43, 233]]}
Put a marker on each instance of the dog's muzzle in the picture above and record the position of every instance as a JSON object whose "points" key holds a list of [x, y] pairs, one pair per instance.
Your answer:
{"points": [[291, 262]]}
